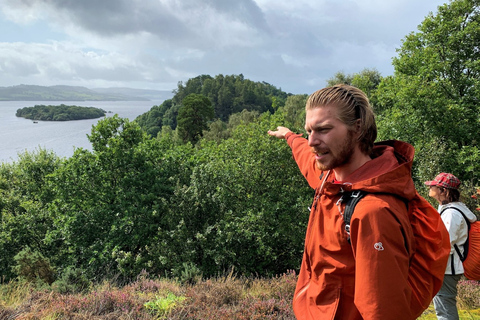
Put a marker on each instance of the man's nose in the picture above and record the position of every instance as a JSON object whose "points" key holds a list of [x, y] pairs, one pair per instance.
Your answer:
{"points": [[313, 140]]}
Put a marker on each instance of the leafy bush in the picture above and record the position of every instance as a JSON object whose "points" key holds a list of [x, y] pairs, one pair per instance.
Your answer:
{"points": [[164, 306]]}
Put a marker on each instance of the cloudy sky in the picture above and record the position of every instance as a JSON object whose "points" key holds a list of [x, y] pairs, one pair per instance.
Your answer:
{"points": [[295, 45]]}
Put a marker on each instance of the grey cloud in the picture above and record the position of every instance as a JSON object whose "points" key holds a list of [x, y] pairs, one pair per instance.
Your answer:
{"points": [[182, 22], [245, 10], [118, 17]]}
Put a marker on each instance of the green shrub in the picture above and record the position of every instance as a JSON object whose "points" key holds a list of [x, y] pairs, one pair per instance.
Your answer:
{"points": [[33, 266], [164, 306], [73, 280], [187, 273]]}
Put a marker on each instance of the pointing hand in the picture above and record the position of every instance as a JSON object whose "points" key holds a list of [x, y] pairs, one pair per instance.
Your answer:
{"points": [[280, 132]]}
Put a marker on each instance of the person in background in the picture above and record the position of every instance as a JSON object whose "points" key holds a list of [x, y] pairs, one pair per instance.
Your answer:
{"points": [[444, 189]]}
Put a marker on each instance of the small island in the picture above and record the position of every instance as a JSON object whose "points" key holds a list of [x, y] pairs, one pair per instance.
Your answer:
{"points": [[59, 113]]}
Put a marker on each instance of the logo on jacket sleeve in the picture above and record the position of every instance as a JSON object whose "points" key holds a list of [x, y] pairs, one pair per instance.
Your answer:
{"points": [[378, 246]]}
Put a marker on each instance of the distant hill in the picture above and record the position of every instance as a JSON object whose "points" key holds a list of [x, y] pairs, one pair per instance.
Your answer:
{"points": [[143, 93], [72, 93]]}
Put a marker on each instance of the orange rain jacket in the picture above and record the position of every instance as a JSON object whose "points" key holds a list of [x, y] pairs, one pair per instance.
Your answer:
{"points": [[366, 279]]}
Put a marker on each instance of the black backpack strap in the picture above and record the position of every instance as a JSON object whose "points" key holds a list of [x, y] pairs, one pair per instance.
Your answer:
{"points": [[350, 199], [465, 245]]}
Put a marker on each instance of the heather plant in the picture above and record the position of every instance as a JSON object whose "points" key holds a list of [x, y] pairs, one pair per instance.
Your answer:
{"points": [[469, 294], [218, 292], [279, 287], [103, 301], [151, 287], [225, 297], [229, 297]]}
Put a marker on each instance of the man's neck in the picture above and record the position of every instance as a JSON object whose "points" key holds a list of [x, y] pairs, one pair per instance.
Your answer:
{"points": [[357, 160]]}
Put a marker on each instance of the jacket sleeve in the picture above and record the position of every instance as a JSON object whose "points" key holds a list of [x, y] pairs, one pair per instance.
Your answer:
{"points": [[304, 157], [380, 242]]}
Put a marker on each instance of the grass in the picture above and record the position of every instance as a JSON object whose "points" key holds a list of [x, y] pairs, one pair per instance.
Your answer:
{"points": [[468, 302], [221, 298], [429, 314]]}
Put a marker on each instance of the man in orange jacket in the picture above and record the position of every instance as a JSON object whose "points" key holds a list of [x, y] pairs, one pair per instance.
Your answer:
{"points": [[361, 273]]}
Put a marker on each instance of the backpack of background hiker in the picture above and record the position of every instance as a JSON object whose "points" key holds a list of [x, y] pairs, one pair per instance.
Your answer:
{"points": [[432, 248], [471, 249]]}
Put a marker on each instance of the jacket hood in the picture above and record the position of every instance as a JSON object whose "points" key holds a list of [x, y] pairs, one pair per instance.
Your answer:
{"points": [[462, 207], [389, 171]]}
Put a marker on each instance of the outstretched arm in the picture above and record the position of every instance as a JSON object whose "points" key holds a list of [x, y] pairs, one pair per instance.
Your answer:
{"points": [[301, 153]]}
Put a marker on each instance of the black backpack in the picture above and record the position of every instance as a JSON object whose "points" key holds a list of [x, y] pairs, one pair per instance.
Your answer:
{"points": [[463, 256], [350, 199]]}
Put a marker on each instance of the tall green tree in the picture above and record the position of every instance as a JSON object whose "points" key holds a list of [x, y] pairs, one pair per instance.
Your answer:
{"points": [[193, 117], [366, 80], [433, 96]]}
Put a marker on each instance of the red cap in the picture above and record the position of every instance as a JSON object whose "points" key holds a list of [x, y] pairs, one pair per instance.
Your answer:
{"points": [[446, 180]]}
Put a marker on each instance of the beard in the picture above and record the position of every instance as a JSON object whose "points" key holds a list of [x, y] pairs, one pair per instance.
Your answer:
{"points": [[338, 157]]}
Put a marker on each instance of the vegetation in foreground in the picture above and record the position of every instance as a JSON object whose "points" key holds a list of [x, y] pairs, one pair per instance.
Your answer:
{"points": [[223, 298]]}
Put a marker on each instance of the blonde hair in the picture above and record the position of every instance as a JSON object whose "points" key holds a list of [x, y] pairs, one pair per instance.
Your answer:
{"points": [[352, 104]]}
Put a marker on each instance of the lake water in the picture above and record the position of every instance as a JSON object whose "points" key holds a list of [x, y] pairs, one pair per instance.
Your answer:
{"points": [[62, 137]]}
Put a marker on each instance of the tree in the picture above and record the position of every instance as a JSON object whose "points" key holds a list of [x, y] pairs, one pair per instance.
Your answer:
{"points": [[228, 94], [340, 78], [111, 203], [193, 117], [366, 80], [434, 94], [25, 197], [244, 207], [152, 121], [294, 111]]}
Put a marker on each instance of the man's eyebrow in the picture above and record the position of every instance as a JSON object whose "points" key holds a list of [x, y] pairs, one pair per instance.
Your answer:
{"points": [[321, 125]]}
